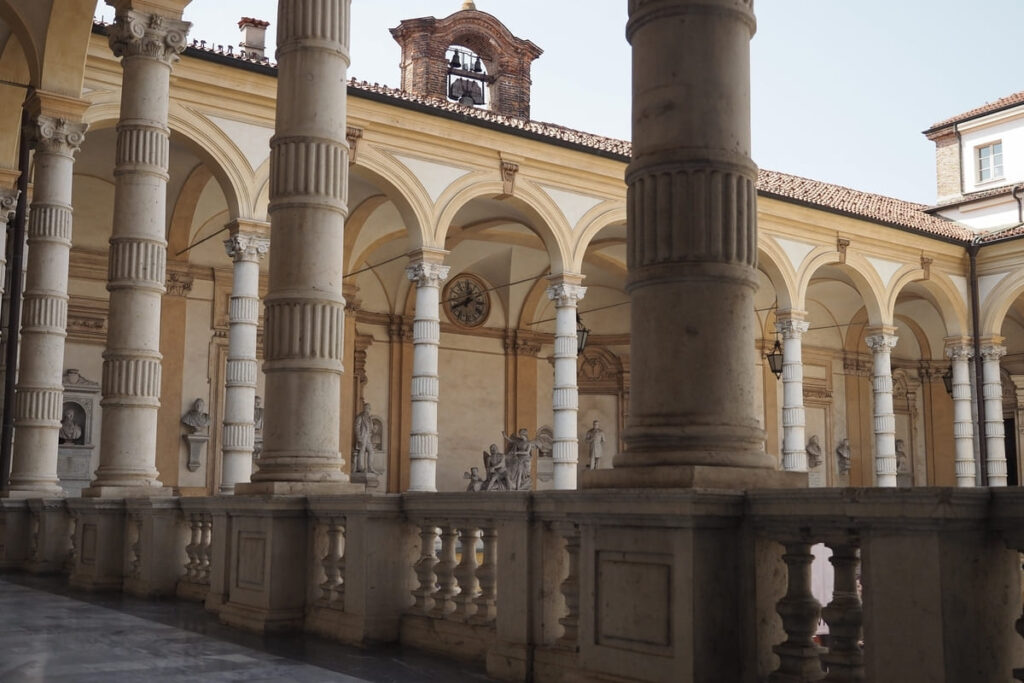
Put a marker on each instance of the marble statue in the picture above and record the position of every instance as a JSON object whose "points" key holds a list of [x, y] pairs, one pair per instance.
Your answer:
{"points": [[813, 452], [257, 414], [196, 419], [903, 473], [362, 457], [70, 430], [843, 457], [594, 439], [475, 482], [494, 468], [517, 460]]}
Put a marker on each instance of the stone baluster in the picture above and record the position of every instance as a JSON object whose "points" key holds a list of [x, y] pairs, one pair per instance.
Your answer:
{"points": [[192, 549], [798, 655], [332, 590], [304, 318], [40, 389], [845, 617], [246, 249], [960, 351], [566, 292], [428, 274], [465, 573], [487, 576], [881, 341], [995, 436], [424, 568], [205, 549], [447, 587], [570, 587], [148, 45], [792, 326]]}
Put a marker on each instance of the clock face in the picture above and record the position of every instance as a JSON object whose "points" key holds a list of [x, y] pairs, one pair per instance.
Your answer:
{"points": [[466, 301]]}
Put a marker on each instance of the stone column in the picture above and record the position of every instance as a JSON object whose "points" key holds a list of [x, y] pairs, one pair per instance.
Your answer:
{"points": [[8, 204], [692, 254], [882, 340], [791, 325], [305, 308], [428, 274], [960, 351], [148, 45], [992, 350], [246, 247], [40, 389], [566, 292]]}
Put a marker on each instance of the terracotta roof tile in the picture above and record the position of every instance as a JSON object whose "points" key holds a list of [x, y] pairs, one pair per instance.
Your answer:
{"points": [[1001, 103]]}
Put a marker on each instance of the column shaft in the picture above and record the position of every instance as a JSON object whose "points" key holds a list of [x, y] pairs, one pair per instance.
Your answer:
{"points": [[791, 325], [149, 44], [305, 308], [881, 342], [963, 423], [995, 437], [40, 389], [426, 337], [566, 292], [691, 251], [242, 368]]}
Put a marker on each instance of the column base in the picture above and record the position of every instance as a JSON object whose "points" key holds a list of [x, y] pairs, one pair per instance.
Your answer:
{"points": [[298, 488], [691, 477], [103, 491], [56, 492]]}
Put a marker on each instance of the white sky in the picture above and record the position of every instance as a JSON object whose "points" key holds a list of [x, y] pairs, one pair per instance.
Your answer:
{"points": [[841, 89]]}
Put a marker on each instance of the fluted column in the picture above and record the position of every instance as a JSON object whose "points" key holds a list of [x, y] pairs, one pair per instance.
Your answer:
{"points": [[305, 308], [791, 325], [881, 341], [960, 351], [8, 203], [247, 249], [691, 253], [40, 389], [149, 45], [995, 437], [428, 274], [566, 292]]}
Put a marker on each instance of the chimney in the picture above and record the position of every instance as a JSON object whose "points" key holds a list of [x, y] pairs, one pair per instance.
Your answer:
{"points": [[254, 37]]}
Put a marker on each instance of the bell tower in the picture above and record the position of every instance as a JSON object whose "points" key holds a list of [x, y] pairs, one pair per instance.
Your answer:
{"points": [[468, 57]]}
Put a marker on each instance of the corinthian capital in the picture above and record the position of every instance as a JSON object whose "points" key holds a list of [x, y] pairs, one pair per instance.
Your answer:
{"points": [[54, 135], [427, 274], [139, 34], [992, 351], [882, 342], [243, 247], [566, 294], [8, 203]]}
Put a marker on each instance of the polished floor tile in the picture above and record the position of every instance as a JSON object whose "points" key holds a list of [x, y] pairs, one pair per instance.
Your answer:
{"points": [[49, 632]]}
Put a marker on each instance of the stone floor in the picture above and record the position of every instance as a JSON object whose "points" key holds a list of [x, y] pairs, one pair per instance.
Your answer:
{"points": [[49, 632]]}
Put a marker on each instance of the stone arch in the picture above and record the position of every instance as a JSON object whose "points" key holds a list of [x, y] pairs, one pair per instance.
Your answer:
{"points": [[595, 220], [939, 290], [998, 302], [67, 42], [864, 278], [774, 264], [400, 186], [21, 30], [546, 219]]}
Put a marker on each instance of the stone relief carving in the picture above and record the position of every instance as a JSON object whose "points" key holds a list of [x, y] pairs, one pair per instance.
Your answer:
{"points": [[843, 457], [814, 454], [904, 473], [257, 422], [197, 425], [594, 439]]}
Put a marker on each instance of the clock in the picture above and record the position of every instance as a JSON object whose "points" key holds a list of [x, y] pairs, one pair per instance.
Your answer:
{"points": [[466, 300]]}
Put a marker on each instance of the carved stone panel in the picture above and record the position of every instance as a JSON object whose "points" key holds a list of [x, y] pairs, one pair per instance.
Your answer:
{"points": [[74, 452]]}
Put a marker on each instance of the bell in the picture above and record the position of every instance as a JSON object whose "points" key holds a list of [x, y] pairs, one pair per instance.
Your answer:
{"points": [[477, 67], [455, 63]]}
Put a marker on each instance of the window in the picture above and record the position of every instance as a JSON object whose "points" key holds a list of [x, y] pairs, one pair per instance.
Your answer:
{"points": [[990, 162]]}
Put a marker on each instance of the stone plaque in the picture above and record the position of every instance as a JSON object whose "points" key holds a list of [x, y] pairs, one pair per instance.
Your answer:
{"points": [[88, 544], [634, 601], [252, 550]]}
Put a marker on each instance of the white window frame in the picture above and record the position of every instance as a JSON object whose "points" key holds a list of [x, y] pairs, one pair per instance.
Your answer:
{"points": [[994, 165]]}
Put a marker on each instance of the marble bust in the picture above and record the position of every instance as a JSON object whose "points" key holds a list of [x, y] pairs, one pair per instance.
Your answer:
{"points": [[196, 419]]}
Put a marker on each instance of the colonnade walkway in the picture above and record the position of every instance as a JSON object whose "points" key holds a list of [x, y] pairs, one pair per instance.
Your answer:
{"points": [[51, 633]]}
